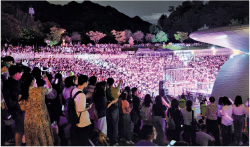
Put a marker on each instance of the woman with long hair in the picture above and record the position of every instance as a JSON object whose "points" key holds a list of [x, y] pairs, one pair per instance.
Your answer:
{"points": [[189, 132], [146, 110], [238, 118], [211, 120], [99, 99], [176, 114], [159, 120], [226, 121], [37, 126]]}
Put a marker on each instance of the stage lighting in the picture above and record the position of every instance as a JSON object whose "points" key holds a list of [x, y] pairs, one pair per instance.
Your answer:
{"points": [[221, 37], [213, 48]]}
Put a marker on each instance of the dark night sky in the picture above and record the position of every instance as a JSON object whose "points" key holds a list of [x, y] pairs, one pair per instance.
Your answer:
{"points": [[148, 10]]}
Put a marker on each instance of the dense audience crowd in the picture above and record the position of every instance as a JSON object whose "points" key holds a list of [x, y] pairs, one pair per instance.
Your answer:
{"points": [[62, 101]]}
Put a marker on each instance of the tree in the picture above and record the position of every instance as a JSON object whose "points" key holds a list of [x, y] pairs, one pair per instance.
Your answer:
{"points": [[149, 37], [10, 27], [76, 36], [55, 35], [67, 39], [205, 27], [181, 36], [160, 37], [138, 36], [234, 22], [95, 36], [119, 36], [131, 41], [128, 34], [153, 29], [160, 22]]}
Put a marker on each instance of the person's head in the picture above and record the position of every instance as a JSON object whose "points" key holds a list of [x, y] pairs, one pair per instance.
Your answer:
{"points": [[124, 95], [147, 100], [69, 81], [82, 81], [134, 90], [4, 67], [15, 72], [59, 77], [9, 59], [26, 69], [226, 101], [127, 88], [220, 101], [99, 89], [148, 132], [189, 105], [182, 96], [238, 101], [158, 100], [92, 80], [174, 104], [110, 81], [36, 72], [203, 127], [212, 99]]}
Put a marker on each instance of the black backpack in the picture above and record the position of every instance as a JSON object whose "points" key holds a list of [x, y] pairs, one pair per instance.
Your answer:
{"points": [[70, 110]]}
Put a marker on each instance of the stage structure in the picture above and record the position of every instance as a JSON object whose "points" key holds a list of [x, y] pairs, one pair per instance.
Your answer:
{"points": [[233, 77]]}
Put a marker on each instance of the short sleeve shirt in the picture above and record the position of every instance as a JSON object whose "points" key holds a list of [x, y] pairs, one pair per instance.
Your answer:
{"points": [[80, 103]]}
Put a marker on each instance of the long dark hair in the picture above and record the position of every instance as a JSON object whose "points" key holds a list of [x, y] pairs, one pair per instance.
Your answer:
{"points": [[226, 101], [238, 100], [189, 105], [174, 104], [147, 100], [158, 101], [99, 91], [220, 101], [59, 77], [26, 81]]}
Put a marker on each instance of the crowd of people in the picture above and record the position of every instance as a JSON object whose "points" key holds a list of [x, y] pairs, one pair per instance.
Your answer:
{"points": [[114, 99]]}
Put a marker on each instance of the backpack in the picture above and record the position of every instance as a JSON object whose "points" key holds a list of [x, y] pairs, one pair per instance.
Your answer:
{"points": [[171, 123], [70, 110], [145, 112]]}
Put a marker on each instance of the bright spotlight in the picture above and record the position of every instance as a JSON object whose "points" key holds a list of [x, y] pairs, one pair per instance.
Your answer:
{"points": [[213, 48]]}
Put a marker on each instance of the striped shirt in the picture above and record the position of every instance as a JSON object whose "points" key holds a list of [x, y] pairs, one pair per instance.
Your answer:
{"points": [[212, 112]]}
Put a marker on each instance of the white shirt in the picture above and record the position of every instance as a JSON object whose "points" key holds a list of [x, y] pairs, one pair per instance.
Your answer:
{"points": [[240, 110], [202, 138], [226, 112], [80, 103]]}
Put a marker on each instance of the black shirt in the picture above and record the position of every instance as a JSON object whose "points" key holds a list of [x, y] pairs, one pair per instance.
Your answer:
{"points": [[159, 111], [136, 103], [11, 92]]}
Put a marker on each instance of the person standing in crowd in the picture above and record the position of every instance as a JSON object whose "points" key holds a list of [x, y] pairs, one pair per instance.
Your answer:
{"points": [[176, 114], [211, 120], [146, 110], [189, 132], [69, 85], [113, 116], [11, 91], [56, 104], [89, 90], [81, 131], [126, 109], [159, 120], [38, 131], [99, 99], [226, 121], [4, 69], [202, 137], [136, 111], [247, 114], [148, 134], [37, 73], [239, 111], [219, 106]]}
